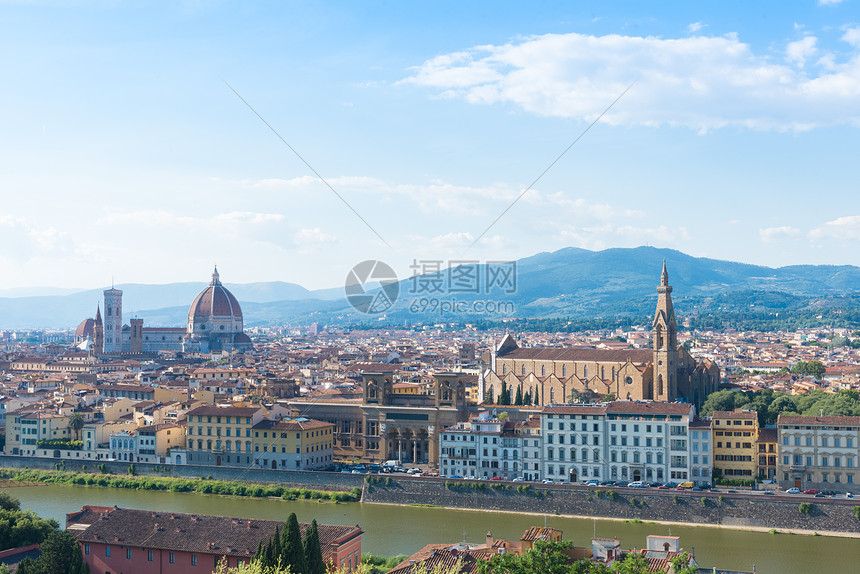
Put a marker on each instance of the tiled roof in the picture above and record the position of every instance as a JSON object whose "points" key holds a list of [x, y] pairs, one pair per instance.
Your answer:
{"points": [[744, 415], [224, 411], [440, 558], [842, 421], [574, 410], [540, 533], [220, 535], [589, 355], [291, 425], [630, 407]]}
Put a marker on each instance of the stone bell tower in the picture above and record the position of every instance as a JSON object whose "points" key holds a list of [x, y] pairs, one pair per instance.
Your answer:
{"points": [[665, 343]]}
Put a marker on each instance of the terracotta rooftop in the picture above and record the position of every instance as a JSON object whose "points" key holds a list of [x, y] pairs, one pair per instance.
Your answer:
{"points": [[587, 354], [818, 421], [200, 533]]}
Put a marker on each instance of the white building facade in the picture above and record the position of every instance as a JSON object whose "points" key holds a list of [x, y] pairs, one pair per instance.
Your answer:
{"points": [[818, 452], [623, 440], [485, 447]]}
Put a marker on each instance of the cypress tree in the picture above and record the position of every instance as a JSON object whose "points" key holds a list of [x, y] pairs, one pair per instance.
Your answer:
{"points": [[294, 552], [275, 552], [313, 551], [518, 401], [259, 554], [537, 398]]}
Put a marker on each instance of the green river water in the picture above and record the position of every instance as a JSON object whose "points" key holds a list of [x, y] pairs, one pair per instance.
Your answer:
{"points": [[392, 530]]}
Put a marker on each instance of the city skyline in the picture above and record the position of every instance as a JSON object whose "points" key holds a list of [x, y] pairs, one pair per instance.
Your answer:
{"points": [[126, 155]]}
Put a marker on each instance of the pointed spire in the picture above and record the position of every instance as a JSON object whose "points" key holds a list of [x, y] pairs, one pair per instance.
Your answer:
{"points": [[664, 277], [98, 314], [216, 278]]}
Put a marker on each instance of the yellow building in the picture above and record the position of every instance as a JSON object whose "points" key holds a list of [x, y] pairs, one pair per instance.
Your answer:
{"points": [[25, 427], [219, 436], [767, 453], [293, 444], [155, 441], [735, 444]]}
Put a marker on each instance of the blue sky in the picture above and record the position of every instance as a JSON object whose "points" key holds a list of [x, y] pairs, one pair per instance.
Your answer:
{"points": [[123, 153]]}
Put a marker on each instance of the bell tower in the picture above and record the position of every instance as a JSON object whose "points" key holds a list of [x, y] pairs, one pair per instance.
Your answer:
{"points": [[113, 321], [665, 343], [98, 333]]}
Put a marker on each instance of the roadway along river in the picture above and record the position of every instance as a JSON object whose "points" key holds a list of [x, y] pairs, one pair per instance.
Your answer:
{"points": [[403, 530]]}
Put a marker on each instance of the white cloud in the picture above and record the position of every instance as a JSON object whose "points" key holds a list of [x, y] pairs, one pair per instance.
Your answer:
{"points": [[800, 51], [829, 2], [605, 235], [699, 82], [313, 236], [695, 27], [217, 223], [772, 234], [852, 37], [842, 228]]}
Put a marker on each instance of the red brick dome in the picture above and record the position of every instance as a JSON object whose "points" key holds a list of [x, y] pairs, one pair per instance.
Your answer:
{"points": [[215, 301]]}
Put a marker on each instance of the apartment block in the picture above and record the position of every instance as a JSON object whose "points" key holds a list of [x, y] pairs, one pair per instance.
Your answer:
{"points": [[818, 452]]}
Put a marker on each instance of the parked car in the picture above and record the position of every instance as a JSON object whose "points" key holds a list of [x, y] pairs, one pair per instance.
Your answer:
{"points": [[810, 491], [667, 486], [849, 495], [547, 481], [636, 484], [518, 479], [413, 471], [794, 490], [496, 478], [592, 483]]}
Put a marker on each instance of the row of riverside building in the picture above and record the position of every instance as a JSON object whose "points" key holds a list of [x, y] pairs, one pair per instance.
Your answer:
{"points": [[654, 442]]}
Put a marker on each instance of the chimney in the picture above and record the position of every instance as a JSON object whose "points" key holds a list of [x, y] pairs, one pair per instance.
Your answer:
{"points": [[489, 539]]}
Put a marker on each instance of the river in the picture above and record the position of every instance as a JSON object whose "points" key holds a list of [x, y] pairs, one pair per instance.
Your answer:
{"points": [[392, 530]]}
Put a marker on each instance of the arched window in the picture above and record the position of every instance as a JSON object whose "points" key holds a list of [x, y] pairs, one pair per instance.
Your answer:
{"points": [[543, 370], [505, 369], [552, 395], [523, 368], [564, 370], [585, 372], [659, 385]]}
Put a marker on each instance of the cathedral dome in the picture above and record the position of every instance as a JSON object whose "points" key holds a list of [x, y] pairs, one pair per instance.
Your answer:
{"points": [[85, 329], [214, 301]]}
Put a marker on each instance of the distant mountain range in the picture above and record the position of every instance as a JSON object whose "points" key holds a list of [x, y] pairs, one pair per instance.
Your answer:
{"points": [[570, 282]]}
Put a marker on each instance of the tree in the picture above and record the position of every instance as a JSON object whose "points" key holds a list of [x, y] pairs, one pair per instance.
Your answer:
{"points": [[518, 400], [313, 551], [61, 554], [811, 369], [488, 396], [504, 395], [9, 502], [76, 423], [293, 553], [253, 567]]}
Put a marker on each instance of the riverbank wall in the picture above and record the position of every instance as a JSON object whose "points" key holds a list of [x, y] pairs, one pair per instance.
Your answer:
{"points": [[333, 481], [732, 511]]}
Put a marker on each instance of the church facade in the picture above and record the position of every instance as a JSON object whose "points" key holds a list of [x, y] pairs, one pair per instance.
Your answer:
{"points": [[666, 372], [215, 323]]}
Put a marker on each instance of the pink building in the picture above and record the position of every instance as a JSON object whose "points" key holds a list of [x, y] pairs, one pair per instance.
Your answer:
{"points": [[126, 541]]}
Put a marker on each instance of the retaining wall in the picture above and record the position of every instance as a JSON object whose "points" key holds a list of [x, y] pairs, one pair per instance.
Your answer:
{"points": [[732, 510]]}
